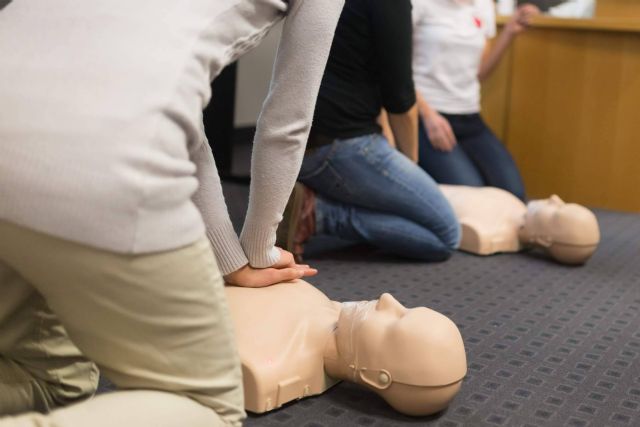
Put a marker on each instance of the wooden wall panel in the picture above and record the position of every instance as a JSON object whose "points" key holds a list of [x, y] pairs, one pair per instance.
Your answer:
{"points": [[617, 9], [574, 115]]}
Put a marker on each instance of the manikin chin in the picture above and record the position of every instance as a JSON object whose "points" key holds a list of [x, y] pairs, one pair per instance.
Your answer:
{"points": [[295, 342]]}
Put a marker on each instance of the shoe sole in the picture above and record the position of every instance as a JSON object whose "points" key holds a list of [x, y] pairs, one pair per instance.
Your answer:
{"points": [[287, 229]]}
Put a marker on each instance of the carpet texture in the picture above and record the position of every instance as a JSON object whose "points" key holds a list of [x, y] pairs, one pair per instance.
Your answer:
{"points": [[547, 345]]}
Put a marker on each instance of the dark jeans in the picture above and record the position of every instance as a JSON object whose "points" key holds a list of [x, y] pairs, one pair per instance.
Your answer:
{"points": [[367, 191], [478, 160]]}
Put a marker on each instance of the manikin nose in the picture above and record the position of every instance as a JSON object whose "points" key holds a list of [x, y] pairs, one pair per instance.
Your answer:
{"points": [[556, 200], [389, 303]]}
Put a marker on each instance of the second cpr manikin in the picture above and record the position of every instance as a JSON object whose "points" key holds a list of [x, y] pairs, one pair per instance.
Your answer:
{"points": [[494, 220]]}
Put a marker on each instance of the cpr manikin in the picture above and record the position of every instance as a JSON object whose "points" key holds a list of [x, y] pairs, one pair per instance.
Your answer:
{"points": [[295, 342], [493, 220]]}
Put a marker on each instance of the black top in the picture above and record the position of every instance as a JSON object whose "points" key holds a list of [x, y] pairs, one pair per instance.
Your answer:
{"points": [[369, 67]]}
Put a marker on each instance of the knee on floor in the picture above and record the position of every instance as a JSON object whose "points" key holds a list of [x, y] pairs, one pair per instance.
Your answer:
{"points": [[451, 237], [69, 384]]}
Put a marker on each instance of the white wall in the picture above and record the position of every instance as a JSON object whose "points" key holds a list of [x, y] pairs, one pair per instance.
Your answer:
{"points": [[254, 74]]}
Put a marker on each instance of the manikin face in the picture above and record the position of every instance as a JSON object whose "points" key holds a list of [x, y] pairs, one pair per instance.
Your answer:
{"points": [[383, 342], [539, 219]]}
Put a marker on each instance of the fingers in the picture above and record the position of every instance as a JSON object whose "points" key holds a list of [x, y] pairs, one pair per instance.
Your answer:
{"points": [[450, 136], [278, 275], [435, 136], [306, 270], [530, 9], [441, 135], [526, 12], [286, 259], [284, 275]]}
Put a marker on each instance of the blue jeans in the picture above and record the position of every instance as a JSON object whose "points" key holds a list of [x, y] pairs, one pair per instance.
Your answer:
{"points": [[478, 160], [369, 192]]}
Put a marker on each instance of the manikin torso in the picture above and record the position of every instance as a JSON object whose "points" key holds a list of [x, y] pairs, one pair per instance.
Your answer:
{"points": [[490, 218], [281, 333]]}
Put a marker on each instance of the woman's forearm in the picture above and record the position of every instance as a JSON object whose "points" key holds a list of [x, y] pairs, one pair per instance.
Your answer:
{"points": [[405, 132], [285, 120], [424, 109], [494, 52]]}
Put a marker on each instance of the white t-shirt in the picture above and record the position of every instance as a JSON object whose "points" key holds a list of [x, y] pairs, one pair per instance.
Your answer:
{"points": [[449, 37]]}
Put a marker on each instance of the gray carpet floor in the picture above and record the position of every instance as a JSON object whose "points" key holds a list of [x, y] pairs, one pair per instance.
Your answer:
{"points": [[547, 345]]}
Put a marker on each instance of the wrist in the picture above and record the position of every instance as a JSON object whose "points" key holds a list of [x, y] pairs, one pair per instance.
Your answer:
{"points": [[511, 29], [258, 243], [231, 278], [428, 111]]}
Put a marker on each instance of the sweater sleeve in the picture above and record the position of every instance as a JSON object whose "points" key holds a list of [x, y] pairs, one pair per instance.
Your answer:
{"points": [[210, 201], [283, 126]]}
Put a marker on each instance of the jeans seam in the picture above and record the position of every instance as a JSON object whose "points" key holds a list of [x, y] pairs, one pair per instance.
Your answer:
{"points": [[337, 174]]}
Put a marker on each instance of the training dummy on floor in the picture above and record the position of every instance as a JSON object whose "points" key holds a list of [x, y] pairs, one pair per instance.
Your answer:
{"points": [[493, 221], [295, 342]]}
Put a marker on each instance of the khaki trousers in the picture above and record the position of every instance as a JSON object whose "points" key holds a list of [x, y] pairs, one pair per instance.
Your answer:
{"points": [[156, 322]]}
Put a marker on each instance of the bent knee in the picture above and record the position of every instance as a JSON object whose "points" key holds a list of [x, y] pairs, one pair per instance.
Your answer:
{"points": [[441, 255], [28, 388], [69, 384], [451, 236]]}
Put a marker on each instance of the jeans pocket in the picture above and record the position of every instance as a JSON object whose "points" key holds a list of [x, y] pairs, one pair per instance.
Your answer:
{"points": [[315, 161]]}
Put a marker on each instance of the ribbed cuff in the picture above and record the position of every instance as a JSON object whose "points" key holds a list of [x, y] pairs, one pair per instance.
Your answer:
{"points": [[227, 248], [259, 245]]}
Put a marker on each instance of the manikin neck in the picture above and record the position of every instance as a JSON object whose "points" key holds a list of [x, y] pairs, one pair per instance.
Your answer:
{"points": [[523, 235], [529, 239], [340, 346], [334, 365], [534, 228]]}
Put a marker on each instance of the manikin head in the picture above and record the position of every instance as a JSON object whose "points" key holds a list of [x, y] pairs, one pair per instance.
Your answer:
{"points": [[567, 231], [413, 358]]}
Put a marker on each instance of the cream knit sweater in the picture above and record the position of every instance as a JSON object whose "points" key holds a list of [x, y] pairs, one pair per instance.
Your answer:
{"points": [[101, 138]]}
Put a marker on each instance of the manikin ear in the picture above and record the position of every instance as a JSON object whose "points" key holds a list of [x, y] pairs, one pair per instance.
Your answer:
{"points": [[544, 241], [376, 378]]}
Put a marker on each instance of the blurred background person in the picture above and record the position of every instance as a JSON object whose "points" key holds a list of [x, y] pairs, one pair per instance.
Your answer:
{"points": [[451, 57], [359, 187]]}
